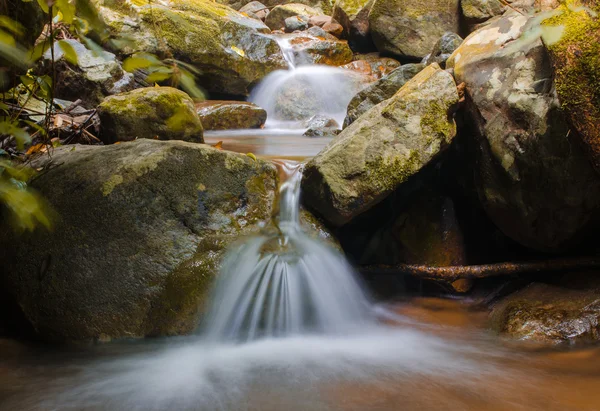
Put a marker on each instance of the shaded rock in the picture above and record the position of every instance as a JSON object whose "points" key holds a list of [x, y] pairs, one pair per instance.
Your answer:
{"points": [[442, 50], [134, 252], [324, 6], [91, 79], [227, 115], [296, 23], [550, 314], [576, 60], [255, 9], [230, 49], [384, 147], [412, 27], [320, 126], [29, 15], [162, 113], [353, 15], [477, 11], [379, 91], [276, 18], [334, 29], [316, 31], [533, 178]]}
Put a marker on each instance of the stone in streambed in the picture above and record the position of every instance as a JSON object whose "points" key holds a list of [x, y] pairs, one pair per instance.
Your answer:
{"points": [[276, 18], [383, 148], [162, 113], [228, 115], [296, 23], [321, 126], [442, 50], [256, 9]]}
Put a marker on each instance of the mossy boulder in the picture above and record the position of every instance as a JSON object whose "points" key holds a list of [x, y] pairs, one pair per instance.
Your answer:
{"points": [[227, 115], [533, 178], [276, 18], [383, 148], [477, 11], [412, 27], [573, 42], [353, 15], [379, 91], [230, 49], [161, 113], [324, 6], [90, 79], [550, 314], [140, 231]]}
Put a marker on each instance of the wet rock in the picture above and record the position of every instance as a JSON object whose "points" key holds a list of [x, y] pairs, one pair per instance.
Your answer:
{"points": [[353, 15], [412, 27], [256, 9], [383, 148], [296, 23], [379, 91], [161, 113], [533, 178], [91, 79], [442, 50], [575, 57], [321, 126], [134, 252], [276, 18], [324, 6], [228, 115], [334, 29], [477, 11], [550, 314], [380, 66], [330, 51], [230, 49]]}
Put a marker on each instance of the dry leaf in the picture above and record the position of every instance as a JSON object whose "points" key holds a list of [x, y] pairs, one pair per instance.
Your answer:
{"points": [[219, 145], [37, 148]]}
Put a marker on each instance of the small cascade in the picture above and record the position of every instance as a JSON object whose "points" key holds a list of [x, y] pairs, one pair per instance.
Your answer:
{"points": [[284, 282], [293, 96]]}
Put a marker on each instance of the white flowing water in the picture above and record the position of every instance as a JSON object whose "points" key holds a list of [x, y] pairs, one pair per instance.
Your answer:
{"points": [[293, 96], [284, 282]]}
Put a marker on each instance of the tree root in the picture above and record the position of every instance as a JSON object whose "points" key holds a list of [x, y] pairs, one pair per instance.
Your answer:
{"points": [[453, 273]]}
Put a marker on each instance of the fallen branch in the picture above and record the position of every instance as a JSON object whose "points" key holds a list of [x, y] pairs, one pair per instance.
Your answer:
{"points": [[453, 273]]}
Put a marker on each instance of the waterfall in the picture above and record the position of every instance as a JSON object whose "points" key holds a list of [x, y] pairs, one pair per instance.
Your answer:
{"points": [[284, 282], [293, 96]]}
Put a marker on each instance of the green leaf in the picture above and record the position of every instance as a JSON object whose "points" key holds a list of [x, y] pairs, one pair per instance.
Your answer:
{"points": [[11, 25], [157, 77], [67, 10], [93, 46], [20, 134], [141, 61], [38, 50], [68, 50], [188, 83], [44, 5], [26, 206], [12, 52]]}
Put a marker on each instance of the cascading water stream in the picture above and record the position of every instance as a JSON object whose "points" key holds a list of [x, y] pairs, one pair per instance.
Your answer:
{"points": [[293, 96], [284, 282]]}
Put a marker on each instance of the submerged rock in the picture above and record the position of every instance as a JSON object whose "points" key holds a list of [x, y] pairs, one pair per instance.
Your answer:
{"points": [[412, 27], [91, 78], [162, 113], [550, 314], [573, 41], [227, 115], [383, 148], [132, 254], [230, 49], [276, 18], [533, 178], [379, 91]]}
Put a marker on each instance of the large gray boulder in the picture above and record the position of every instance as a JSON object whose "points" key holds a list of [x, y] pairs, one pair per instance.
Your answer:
{"points": [[533, 178], [412, 27], [229, 48], [140, 232], [383, 148], [379, 91]]}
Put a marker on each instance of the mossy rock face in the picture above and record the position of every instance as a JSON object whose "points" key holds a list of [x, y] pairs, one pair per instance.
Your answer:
{"points": [[161, 113], [324, 6], [379, 91], [550, 314], [383, 148], [140, 231], [276, 17], [412, 27], [477, 11], [575, 57], [533, 178], [230, 49], [227, 115], [91, 79]]}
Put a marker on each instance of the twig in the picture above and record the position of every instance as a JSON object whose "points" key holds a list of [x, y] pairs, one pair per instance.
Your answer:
{"points": [[453, 273]]}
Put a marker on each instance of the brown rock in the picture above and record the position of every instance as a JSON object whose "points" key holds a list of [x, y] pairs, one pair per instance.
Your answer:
{"points": [[229, 115]]}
